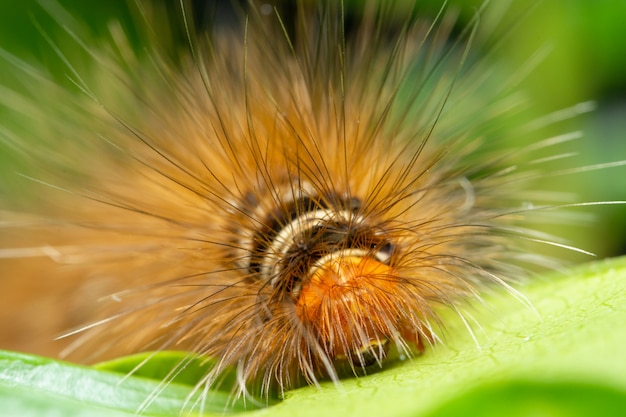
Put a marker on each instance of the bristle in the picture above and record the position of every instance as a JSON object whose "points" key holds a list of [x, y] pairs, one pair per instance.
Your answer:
{"points": [[288, 196]]}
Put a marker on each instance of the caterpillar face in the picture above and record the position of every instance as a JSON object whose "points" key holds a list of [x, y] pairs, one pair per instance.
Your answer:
{"points": [[289, 199], [321, 258]]}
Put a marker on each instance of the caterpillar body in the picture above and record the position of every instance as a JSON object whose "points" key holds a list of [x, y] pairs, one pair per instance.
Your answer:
{"points": [[290, 197]]}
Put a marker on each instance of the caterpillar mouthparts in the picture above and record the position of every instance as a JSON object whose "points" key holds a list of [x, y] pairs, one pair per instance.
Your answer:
{"points": [[289, 197]]}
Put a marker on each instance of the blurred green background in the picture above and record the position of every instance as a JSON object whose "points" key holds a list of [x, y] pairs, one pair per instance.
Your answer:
{"points": [[587, 61]]}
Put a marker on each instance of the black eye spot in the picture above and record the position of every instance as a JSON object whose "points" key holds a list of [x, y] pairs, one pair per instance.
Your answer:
{"points": [[385, 251]]}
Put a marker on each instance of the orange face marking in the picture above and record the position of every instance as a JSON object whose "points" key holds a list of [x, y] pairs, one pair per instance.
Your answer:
{"points": [[347, 301]]}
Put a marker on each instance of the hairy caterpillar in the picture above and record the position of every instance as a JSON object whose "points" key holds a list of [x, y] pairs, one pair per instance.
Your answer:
{"points": [[289, 197]]}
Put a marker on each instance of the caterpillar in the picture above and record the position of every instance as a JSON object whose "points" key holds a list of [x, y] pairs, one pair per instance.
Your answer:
{"points": [[293, 194]]}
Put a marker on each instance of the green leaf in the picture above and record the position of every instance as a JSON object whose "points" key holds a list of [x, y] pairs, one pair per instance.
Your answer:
{"points": [[536, 398], [188, 369], [565, 358], [31, 385]]}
